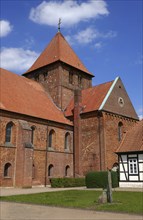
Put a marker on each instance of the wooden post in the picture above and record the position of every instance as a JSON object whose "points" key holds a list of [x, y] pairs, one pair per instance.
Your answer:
{"points": [[109, 187]]}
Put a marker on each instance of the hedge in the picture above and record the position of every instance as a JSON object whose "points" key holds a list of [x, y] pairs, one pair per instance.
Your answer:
{"points": [[67, 182], [100, 179]]}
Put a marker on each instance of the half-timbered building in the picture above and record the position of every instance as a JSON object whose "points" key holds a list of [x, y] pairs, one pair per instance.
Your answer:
{"points": [[130, 155]]}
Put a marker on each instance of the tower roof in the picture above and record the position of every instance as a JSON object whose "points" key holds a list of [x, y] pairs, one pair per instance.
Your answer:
{"points": [[58, 50]]}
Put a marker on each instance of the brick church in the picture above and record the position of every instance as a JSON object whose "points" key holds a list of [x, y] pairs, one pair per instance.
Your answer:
{"points": [[54, 123]]}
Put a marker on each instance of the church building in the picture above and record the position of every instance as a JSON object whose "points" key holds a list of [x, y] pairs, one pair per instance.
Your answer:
{"points": [[54, 123]]}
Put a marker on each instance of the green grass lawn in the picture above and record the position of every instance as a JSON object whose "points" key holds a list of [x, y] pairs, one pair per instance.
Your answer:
{"points": [[130, 202]]}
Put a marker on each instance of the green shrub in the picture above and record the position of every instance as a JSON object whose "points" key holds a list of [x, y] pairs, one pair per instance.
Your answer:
{"points": [[100, 179], [67, 182]]}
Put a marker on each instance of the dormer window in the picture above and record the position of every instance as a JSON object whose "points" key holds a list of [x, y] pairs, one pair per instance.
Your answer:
{"points": [[70, 77]]}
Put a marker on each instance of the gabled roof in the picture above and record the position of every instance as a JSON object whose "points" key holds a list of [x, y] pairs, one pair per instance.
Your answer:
{"points": [[58, 50], [21, 95], [133, 140], [92, 98]]}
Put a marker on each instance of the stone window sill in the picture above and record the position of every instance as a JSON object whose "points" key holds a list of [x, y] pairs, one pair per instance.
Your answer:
{"points": [[50, 149], [8, 144], [7, 177], [67, 150]]}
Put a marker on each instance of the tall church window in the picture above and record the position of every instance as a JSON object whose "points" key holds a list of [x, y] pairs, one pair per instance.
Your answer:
{"points": [[120, 131], [50, 170], [79, 80], [70, 77], [52, 138], [36, 77], [7, 170], [33, 171], [67, 141], [45, 75], [67, 170], [32, 134], [8, 136]]}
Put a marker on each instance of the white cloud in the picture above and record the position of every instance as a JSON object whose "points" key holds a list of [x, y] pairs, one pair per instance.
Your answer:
{"points": [[140, 113], [109, 34], [5, 28], [89, 35], [86, 36], [71, 12], [98, 45], [17, 59]]}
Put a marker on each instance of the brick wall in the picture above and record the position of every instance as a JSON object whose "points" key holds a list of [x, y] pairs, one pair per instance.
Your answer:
{"points": [[112, 142], [99, 140], [55, 79], [30, 162]]}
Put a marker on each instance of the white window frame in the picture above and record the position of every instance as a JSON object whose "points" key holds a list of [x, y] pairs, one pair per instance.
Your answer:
{"points": [[133, 166]]}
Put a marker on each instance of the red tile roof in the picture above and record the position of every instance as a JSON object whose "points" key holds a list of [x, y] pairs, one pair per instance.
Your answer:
{"points": [[21, 95], [58, 50], [133, 140], [92, 98]]}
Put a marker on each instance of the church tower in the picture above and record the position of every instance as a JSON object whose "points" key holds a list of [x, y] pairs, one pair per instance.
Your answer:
{"points": [[60, 71]]}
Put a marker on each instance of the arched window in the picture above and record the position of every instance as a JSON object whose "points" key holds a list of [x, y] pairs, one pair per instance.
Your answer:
{"points": [[33, 171], [8, 136], [52, 138], [67, 170], [32, 134], [50, 170], [120, 131], [70, 77], [67, 141], [7, 170], [79, 80], [115, 167]]}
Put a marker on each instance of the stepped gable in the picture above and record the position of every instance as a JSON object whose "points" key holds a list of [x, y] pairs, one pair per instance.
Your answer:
{"points": [[133, 140], [24, 96], [92, 98], [58, 50]]}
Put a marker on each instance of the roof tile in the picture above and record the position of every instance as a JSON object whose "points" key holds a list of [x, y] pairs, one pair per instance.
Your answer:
{"points": [[92, 98], [21, 95], [133, 140]]}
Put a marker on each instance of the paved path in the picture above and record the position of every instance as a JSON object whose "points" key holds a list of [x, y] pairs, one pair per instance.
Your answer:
{"points": [[17, 211]]}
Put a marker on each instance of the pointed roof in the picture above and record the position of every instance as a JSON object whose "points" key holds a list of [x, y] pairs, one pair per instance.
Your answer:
{"points": [[133, 140], [92, 98], [58, 50], [25, 96]]}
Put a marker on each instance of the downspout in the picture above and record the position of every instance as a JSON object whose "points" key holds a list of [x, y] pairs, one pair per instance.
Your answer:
{"points": [[99, 130], [77, 133], [46, 154]]}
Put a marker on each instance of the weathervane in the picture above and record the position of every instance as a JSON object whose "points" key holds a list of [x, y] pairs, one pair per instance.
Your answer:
{"points": [[59, 24]]}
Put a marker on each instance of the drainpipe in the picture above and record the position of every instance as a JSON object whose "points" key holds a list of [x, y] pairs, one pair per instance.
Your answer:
{"points": [[99, 130], [46, 154], [77, 133]]}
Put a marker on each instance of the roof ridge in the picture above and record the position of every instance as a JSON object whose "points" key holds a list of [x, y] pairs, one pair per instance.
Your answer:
{"points": [[98, 85]]}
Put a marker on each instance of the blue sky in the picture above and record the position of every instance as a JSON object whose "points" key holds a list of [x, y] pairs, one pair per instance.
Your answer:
{"points": [[105, 34]]}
